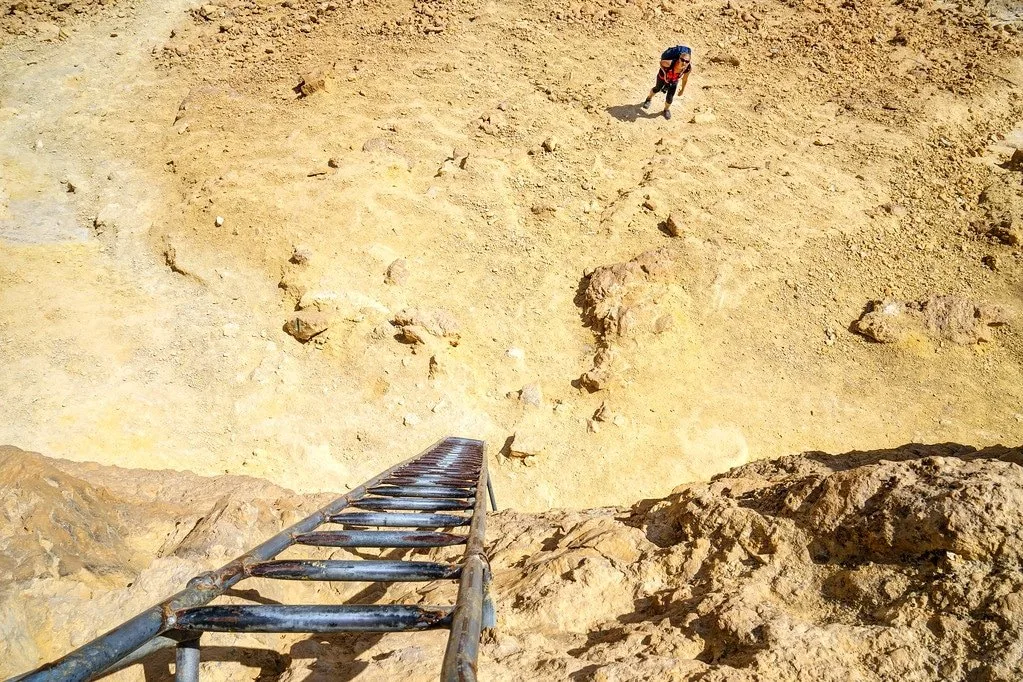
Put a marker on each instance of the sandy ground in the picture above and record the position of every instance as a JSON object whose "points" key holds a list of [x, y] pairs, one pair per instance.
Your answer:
{"points": [[135, 330]]}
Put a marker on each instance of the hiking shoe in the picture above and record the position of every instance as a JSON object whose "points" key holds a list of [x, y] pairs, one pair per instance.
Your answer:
{"points": [[667, 114], [645, 104]]}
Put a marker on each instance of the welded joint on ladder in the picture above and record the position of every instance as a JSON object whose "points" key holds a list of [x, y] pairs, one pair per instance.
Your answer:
{"points": [[204, 581]]}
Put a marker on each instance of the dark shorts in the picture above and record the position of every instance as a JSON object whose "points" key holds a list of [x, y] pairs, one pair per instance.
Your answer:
{"points": [[667, 88]]}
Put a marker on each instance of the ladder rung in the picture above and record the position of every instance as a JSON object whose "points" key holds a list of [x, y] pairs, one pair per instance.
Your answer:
{"points": [[434, 470], [422, 491], [445, 481], [418, 504], [291, 618], [364, 571], [378, 538], [437, 469], [399, 520]]}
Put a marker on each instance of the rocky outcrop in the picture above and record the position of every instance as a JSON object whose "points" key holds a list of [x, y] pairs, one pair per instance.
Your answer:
{"points": [[888, 565], [941, 318], [620, 301]]}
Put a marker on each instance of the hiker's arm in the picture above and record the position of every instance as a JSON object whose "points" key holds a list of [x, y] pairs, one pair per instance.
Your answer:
{"points": [[665, 63], [682, 83]]}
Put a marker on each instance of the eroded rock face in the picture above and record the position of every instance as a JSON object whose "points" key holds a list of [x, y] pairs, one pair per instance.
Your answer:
{"points": [[61, 514], [942, 318], [889, 565], [87, 546]]}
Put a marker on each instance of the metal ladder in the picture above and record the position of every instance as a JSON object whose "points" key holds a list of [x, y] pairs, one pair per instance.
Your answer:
{"points": [[444, 487]]}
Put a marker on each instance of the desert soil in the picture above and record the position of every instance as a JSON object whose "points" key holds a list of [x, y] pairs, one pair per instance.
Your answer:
{"points": [[468, 227], [839, 155]]}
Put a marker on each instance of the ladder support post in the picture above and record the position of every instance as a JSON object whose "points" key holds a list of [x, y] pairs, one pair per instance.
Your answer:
{"points": [[490, 493], [186, 660]]}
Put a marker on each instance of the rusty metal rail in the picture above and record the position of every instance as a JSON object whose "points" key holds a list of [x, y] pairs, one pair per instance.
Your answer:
{"points": [[450, 477]]}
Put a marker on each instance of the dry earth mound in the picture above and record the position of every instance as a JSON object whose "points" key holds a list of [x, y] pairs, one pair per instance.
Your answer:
{"points": [[885, 565]]}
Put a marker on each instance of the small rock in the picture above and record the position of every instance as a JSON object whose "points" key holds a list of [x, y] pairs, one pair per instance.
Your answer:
{"points": [[531, 394], [219, 221], [619, 420], [377, 144], [897, 210], [516, 353], [550, 145], [446, 169], [416, 324], [1016, 160], [313, 81], [651, 204], [990, 262], [824, 141], [704, 117], [413, 334], [436, 369], [305, 324], [410, 419], [674, 224], [230, 330], [503, 106], [106, 219], [723, 58], [397, 272], [300, 255], [602, 413], [333, 163], [46, 31], [592, 426], [525, 445]]}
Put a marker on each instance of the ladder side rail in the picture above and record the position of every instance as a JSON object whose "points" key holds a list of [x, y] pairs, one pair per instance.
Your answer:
{"points": [[462, 653]]}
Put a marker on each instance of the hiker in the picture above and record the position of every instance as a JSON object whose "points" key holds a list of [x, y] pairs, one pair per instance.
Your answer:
{"points": [[676, 63]]}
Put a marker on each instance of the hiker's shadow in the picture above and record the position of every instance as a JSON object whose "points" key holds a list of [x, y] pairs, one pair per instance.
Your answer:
{"points": [[629, 113]]}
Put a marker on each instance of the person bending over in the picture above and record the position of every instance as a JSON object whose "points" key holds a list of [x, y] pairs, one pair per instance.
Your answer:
{"points": [[676, 64]]}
